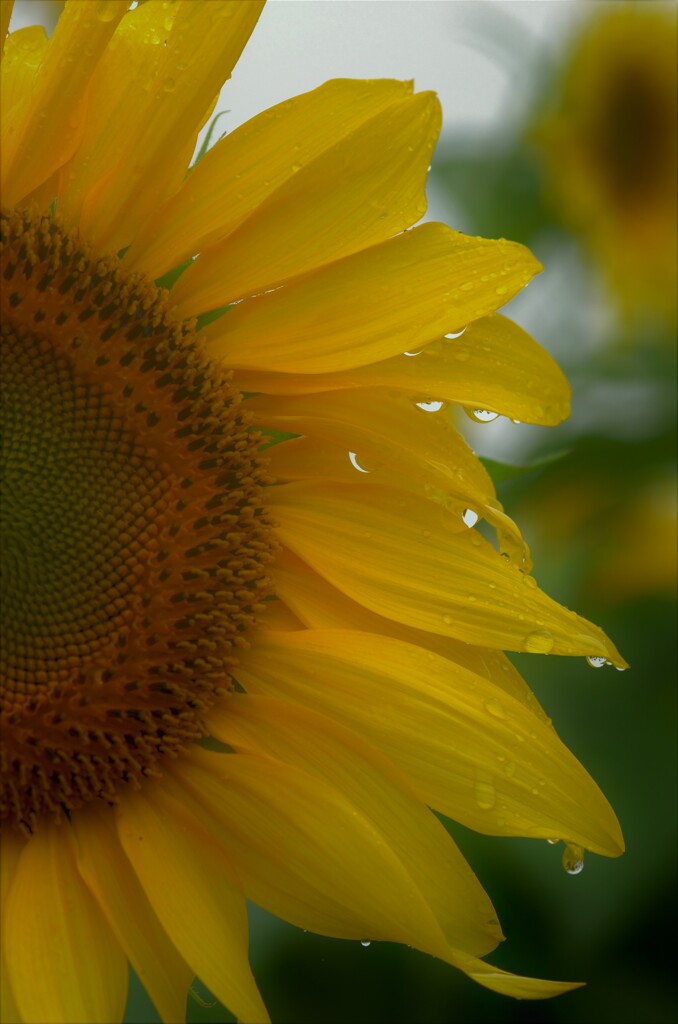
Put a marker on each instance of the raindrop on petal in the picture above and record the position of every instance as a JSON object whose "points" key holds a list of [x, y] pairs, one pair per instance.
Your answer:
{"points": [[354, 462], [481, 415], [456, 334], [365, 942], [485, 794], [540, 641], [413, 353], [596, 662], [470, 517], [430, 406]]}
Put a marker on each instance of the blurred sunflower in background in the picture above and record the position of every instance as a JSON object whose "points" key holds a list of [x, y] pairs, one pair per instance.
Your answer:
{"points": [[608, 139], [250, 632]]}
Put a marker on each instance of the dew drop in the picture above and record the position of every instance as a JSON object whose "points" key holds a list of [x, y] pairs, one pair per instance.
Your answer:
{"points": [[481, 415], [470, 518], [365, 942], [573, 859], [485, 794], [495, 708], [467, 286], [455, 334], [430, 406], [447, 619], [356, 465], [169, 85], [596, 662], [553, 842], [540, 641], [413, 353], [529, 581], [501, 290], [620, 668]]}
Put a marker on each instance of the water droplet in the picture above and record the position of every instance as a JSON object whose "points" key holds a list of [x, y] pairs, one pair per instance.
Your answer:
{"points": [[516, 421], [553, 842], [354, 462], [529, 581], [621, 668], [540, 641], [455, 334], [413, 353], [596, 662], [365, 942], [430, 406], [467, 286], [573, 859], [481, 415], [495, 708], [169, 85], [501, 290], [447, 619], [470, 518], [485, 794]]}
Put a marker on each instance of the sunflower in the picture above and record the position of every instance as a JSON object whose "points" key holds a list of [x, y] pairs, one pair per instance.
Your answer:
{"points": [[250, 633], [609, 147]]}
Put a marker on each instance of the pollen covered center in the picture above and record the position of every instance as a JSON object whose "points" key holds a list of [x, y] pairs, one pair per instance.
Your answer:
{"points": [[133, 544]]}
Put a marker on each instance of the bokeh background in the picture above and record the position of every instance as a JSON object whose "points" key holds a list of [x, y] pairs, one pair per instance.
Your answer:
{"points": [[559, 132]]}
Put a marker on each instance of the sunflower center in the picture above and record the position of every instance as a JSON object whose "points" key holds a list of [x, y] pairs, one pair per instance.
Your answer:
{"points": [[133, 544]]}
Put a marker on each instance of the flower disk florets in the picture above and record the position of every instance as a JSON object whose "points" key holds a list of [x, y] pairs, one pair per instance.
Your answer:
{"points": [[133, 542]]}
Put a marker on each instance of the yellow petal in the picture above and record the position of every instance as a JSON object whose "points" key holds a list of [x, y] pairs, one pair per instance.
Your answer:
{"points": [[5, 18], [318, 605], [66, 966], [190, 884], [305, 851], [39, 136], [494, 365], [341, 758], [23, 55], [11, 846], [402, 444], [395, 554], [253, 162], [157, 112], [109, 877], [393, 297], [509, 984], [470, 749], [367, 187]]}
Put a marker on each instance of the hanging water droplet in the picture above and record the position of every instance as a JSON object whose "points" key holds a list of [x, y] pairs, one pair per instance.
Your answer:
{"points": [[573, 859], [470, 518], [553, 842], [517, 421], [481, 415], [529, 581], [365, 942], [413, 353], [540, 641], [620, 668], [596, 662], [356, 465], [430, 406], [455, 334]]}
